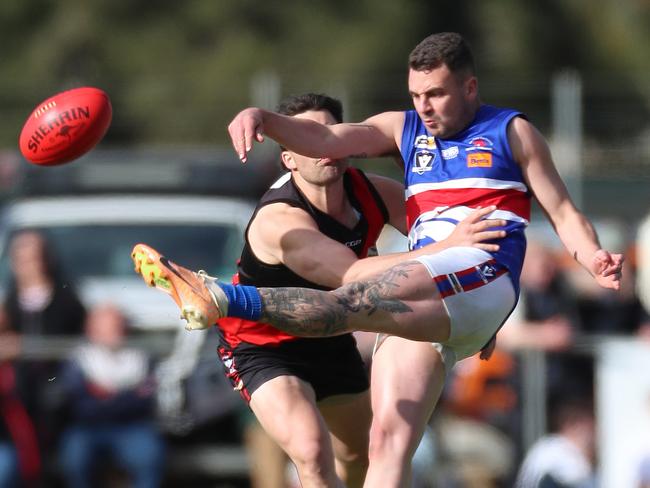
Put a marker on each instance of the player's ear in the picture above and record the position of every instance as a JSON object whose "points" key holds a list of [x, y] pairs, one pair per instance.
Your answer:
{"points": [[287, 160], [471, 87]]}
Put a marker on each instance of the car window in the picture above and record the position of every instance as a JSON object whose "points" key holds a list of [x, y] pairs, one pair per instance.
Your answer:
{"points": [[92, 251]]}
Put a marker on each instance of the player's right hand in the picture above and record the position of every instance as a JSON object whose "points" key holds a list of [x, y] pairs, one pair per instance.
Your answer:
{"points": [[474, 230], [244, 129], [607, 268]]}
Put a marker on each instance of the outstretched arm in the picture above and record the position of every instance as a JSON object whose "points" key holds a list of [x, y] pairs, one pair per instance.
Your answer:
{"points": [[376, 136], [283, 234], [576, 232]]}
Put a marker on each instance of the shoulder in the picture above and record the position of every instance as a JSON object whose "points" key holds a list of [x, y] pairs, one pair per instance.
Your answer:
{"points": [[384, 183], [279, 215], [275, 220], [525, 139]]}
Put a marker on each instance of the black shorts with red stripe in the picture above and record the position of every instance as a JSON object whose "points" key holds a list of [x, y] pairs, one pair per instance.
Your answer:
{"points": [[331, 365]]}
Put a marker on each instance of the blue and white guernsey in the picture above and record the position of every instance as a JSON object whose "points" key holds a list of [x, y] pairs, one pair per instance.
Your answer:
{"points": [[446, 179]]}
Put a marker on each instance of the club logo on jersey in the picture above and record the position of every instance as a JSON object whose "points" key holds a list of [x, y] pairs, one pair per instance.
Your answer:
{"points": [[425, 142], [450, 152], [423, 162], [479, 160], [480, 143]]}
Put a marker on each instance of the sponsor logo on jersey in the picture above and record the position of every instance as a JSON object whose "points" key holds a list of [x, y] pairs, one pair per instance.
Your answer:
{"points": [[356, 242], [423, 162], [480, 143], [425, 142], [479, 160], [450, 152]]}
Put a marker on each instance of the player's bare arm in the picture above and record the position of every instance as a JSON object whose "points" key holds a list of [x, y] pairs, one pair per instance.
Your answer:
{"points": [[377, 136], [288, 235], [576, 232], [473, 231]]}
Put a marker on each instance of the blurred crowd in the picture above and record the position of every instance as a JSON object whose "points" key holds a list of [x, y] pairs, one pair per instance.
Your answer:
{"points": [[90, 416], [555, 331]]}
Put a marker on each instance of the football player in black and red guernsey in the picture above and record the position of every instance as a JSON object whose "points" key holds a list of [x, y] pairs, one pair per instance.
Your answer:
{"points": [[311, 229], [307, 229]]}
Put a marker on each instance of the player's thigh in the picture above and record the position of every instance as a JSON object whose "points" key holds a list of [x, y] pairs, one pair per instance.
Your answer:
{"points": [[402, 300], [348, 419], [406, 382], [286, 408]]}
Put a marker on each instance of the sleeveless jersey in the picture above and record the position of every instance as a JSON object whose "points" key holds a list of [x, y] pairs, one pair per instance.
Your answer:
{"points": [[251, 271], [446, 179]]}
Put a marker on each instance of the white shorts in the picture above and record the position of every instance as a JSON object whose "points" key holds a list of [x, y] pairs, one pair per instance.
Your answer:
{"points": [[477, 293]]}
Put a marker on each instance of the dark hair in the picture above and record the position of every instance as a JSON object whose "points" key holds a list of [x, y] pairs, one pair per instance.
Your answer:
{"points": [[297, 104], [447, 48], [569, 410], [49, 256]]}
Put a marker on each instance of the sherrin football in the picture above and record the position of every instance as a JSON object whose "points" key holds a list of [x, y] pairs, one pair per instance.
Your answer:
{"points": [[65, 126]]}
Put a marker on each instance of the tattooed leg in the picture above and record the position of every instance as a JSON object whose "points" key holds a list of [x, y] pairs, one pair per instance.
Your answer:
{"points": [[400, 301]]}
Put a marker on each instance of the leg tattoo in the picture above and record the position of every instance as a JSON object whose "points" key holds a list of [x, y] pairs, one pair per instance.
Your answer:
{"points": [[313, 313]]}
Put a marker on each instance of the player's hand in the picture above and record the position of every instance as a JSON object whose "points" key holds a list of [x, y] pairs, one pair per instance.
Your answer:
{"points": [[607, 269], [473, 231], [244, 129]]}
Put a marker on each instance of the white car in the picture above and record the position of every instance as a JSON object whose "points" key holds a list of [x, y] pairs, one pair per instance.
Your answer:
{"points": [[93, 236]]}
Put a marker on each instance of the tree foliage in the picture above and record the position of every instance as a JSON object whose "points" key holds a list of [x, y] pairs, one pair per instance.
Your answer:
{"points": [[178, 71]]}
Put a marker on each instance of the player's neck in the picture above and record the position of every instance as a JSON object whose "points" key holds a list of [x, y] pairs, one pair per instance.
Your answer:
{"points": [[332, 200]]}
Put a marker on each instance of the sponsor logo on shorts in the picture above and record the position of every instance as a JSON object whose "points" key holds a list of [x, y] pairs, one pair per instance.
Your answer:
{"points": [[479, 160], [486, 273]]}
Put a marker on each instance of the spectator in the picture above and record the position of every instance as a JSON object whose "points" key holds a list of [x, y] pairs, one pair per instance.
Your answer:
{"points": [[38, 304], [482, 397], [547, 319], [19, 456], [111, 404], [564, 458], [545, 315]]}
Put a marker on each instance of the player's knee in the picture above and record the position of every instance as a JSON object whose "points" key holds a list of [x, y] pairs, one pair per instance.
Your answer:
{"points": [[390, 443], [311, 456]]}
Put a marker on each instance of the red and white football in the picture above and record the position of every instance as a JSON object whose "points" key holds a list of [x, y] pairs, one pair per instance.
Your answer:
{"points": [[66, 126]]}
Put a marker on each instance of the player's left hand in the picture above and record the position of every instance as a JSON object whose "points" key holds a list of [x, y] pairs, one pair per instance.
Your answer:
{"points": [[607, 269], [475, 230]]}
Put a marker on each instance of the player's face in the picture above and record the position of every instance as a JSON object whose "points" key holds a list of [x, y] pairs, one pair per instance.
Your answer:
{"points": [[313, 170], [446, 102]]}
